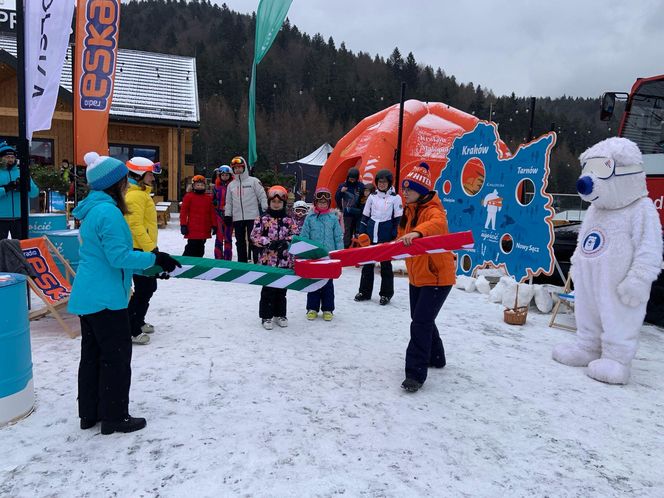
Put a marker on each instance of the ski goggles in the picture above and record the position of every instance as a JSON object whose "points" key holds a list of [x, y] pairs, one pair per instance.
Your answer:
{"points": [[277, 191], [323, 195], [605, 167], [237, 161]]}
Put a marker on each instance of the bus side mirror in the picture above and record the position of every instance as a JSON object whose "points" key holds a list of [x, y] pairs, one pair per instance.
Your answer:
{"points": [[608, 105]]}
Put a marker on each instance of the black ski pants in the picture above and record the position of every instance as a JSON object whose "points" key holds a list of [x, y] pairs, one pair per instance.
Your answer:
{"points": [[425, 347], [104, 373], [12, 225], [386, 280], [245, 248], [195, 248], [144, 288], [272, 303]]}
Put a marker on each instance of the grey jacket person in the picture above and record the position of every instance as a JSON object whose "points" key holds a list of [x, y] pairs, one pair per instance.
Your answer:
{"points": [[245, 198]]}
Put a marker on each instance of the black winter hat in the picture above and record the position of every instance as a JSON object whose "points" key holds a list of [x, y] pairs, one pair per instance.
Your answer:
{"points": [[353, 173]]}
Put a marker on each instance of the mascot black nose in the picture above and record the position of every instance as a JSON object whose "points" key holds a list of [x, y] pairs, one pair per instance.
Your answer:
{"points": [[584, 185]]}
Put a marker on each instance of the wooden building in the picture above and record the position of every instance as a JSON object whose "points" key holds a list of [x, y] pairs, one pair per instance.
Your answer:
{"points": [[154, 113]]}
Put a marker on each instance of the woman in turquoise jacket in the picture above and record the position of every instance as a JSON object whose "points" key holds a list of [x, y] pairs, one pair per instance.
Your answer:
{"points": [[100, 296], [10, 193], [323, 226]]}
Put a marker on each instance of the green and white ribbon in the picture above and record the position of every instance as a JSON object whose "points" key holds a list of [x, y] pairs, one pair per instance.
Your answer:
{"points": [[219, 270], [306, 249]]}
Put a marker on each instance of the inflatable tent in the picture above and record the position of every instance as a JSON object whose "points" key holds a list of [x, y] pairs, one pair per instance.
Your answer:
{"points": [[428, 132]]}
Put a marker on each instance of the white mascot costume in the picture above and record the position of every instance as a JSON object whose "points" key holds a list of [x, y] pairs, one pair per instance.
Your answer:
{"points": [[618, 255]]}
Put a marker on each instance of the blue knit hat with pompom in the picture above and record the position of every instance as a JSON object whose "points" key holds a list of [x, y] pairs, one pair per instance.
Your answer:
{"points": [[103, 171]]}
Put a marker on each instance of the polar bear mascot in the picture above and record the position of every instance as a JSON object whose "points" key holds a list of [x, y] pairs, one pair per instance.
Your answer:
{"points": [[617, 257]]}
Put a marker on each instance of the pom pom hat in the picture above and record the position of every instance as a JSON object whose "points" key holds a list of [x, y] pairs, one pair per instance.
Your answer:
{"points": [[6, 150], [103, 172], [419, 179]]}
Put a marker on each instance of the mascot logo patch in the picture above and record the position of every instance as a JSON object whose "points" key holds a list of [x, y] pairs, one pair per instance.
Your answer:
{"points": [[594, 243]]}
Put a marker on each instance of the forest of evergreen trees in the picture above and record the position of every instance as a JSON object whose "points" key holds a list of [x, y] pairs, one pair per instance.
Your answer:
{"points": [[311, 91]]}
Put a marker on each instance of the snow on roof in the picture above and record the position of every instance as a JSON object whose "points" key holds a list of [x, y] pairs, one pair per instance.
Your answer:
{"points": [[156, 87], [317, 157]]}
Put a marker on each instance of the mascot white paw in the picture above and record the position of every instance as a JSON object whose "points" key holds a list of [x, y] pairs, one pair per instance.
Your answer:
{"points": [[572, 355], [633, 291], [609, 371]]}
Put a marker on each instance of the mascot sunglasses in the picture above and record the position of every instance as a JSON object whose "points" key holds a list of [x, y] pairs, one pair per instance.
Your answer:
{"points": [[604, 167]]}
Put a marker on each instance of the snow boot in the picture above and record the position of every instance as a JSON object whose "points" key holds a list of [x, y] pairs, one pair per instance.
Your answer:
{"points": [[327, 316], [411, 385], [141, 339], [147, 328], [267, 323], [384, 300], [88, 423], [312, 315], [361, 297], [129, 424], [282, 321]]}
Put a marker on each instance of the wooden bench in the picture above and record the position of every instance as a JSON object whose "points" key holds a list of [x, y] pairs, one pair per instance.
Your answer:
{"points": [[163, 216]]}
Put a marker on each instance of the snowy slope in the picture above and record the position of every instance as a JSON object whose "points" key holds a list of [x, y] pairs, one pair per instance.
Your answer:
{"points": [[316, 409]]}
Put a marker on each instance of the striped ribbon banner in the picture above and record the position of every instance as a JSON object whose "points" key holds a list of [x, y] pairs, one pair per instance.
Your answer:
{"points": [[219, 270]]}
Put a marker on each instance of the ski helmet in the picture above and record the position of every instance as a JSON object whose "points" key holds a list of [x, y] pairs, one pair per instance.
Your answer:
{"points": [[239, 161], [198, 179], [353, 173], [277, 191], [225, 169], [384, 174], [138, 166], [301, 206]]}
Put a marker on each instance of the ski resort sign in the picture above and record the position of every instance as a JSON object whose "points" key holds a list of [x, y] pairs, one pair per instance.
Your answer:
{"points": [[502, 200]]}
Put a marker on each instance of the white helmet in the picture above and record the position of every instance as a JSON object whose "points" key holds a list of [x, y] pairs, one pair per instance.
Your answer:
{"points": [[300, 205], [141, 165]]}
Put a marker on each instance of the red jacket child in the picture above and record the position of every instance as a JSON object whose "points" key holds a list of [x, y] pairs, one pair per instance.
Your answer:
{"points": [[197, 218]]}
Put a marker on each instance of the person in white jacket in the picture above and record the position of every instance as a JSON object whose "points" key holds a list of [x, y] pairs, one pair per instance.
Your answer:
{"points": [[617, 257], [380, 220], [245, 201]]}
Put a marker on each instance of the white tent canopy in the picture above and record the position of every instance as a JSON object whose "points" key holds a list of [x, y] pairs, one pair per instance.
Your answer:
{"points": [[317, 157]]}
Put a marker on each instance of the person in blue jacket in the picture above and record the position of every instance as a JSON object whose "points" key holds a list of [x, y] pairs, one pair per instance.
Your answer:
{"points": [[10, 193], [100, 296], [322, 226]]}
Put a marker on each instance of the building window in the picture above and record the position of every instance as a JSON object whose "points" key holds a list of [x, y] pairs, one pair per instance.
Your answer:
{"points": [[124, 152], [41, 150]]}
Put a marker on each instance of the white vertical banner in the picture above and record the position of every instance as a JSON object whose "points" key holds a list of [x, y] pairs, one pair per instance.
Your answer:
{"points": [[47, 28]]}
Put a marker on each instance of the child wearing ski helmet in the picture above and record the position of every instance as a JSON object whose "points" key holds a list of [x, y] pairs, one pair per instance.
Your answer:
{"points": [[223, 244], [142, 221], [197, 218], [431, 276], [323, 226], [300, 212], [380, 221], [100, 295], [272, 234]]}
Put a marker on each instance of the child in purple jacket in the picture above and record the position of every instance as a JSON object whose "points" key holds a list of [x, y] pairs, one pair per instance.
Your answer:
{"points": [[272, 234]]}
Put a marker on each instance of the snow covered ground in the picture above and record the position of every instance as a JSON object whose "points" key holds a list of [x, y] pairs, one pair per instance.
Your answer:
{"points": [[316, 410]]}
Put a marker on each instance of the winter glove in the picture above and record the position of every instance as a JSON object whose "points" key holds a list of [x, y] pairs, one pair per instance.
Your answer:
{"points": [[184, 229], [214, 230], [228, 220], [163, 276], [167, 263], [13, 185], [278, 245], [633, 291]]}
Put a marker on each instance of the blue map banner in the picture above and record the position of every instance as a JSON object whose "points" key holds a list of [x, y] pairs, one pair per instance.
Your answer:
{"points": [[502, 200]]}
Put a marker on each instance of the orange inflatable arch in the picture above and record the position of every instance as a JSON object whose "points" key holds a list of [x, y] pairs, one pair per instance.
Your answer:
{"points": [[428, 132]]}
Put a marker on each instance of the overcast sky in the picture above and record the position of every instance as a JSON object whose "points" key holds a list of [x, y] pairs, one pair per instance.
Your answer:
{"points": [[534, 48]]}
